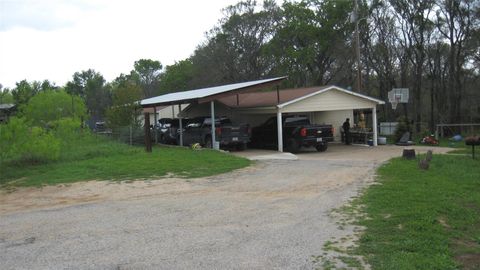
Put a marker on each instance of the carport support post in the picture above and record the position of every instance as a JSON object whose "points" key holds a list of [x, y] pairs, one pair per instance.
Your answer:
{"points": [[279, 130], [374, 124], [212, 115], [180, 126]]}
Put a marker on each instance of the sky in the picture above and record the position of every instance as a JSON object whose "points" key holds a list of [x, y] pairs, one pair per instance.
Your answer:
{"points": [[53, 39]]}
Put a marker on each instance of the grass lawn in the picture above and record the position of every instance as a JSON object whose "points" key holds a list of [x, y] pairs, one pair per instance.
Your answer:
{"points": [[423, 219], [98, 158]]}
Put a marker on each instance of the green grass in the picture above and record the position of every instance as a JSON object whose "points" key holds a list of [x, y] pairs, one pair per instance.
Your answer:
{"points": [[423, 219], [97, 158]]}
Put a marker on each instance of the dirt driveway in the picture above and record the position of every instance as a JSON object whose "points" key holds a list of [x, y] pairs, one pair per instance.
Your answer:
{"points": [[274, 214]]}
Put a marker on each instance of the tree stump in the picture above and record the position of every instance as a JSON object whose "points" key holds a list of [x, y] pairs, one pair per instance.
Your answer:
{"points": [[429, 156], [409, 154], [423, 164]]}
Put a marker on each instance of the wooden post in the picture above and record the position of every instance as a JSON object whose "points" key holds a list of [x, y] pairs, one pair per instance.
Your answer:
{"points": [[148, 139]]}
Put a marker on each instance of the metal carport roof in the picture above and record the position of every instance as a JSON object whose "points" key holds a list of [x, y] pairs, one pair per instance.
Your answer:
{"points": [[208, 94]]}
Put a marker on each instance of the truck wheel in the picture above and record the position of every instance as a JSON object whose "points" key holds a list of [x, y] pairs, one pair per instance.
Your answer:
{"points": [[321, 147], [208, 142], [292, 146]]}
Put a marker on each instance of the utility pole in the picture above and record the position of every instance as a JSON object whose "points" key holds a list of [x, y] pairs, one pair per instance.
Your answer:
{"points": [[357, 36]]}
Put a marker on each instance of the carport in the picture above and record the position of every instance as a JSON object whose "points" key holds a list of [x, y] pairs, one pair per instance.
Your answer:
{"points": [[243, 102], [203, 96]]}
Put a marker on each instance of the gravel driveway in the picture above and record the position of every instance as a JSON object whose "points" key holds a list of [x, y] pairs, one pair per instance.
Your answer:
{"points": [[272, 215]]}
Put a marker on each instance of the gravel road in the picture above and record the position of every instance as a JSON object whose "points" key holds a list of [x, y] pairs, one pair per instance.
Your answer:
{"points": [[272, 215]]}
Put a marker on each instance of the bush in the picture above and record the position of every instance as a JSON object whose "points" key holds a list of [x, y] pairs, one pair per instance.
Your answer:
{"points": [[66, 129], [24, 144], [47, 107]]}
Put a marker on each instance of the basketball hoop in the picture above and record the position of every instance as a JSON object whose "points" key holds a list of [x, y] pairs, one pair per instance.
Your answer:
{"points": [[394, 105], [398, 95]]}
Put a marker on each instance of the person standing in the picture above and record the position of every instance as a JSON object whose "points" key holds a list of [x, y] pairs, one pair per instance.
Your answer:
{"points": [[346, 131]]}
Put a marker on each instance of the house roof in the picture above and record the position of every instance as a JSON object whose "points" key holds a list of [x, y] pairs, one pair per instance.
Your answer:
{"points": [[195, 95], [6, 106], [284, 97]]}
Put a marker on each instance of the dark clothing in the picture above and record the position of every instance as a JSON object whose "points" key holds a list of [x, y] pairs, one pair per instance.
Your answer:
{"points": [[346, 131]]}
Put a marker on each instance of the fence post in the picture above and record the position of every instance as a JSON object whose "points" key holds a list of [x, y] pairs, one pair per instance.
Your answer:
{"points": [[131, 135]]}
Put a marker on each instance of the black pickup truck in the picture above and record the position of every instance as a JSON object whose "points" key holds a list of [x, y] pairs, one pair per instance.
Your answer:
{"points": [[297, 133], [199, 130]]}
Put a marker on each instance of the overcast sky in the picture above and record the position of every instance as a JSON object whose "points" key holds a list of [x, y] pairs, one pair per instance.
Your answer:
{"points": [[48, 39]]}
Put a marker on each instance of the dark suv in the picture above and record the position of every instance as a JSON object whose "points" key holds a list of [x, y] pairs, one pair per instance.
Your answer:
{"points": [[198, 130]]}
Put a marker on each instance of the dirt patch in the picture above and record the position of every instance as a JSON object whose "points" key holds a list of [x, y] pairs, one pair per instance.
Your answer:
{"points": [[469, 261]]}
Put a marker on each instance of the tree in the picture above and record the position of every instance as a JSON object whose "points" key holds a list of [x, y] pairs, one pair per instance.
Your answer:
{"points": [[177, 77], [236, 48], [455, 19], [147, 72], [5, 95], [312, 39], [125, 109], [47, 107], [90, 86], [414, 19], [24, 91]]}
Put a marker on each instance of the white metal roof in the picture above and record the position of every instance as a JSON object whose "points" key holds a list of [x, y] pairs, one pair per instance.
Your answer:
{"points": [[178, 97], [378, 101]]}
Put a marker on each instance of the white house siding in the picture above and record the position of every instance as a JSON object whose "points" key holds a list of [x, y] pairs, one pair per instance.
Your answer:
{"points": [[335, 118], [328, 101]]}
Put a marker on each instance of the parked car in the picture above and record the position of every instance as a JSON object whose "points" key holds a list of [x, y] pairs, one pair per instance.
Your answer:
{"points": [[297, 132], [167, 129], [198, 130]]}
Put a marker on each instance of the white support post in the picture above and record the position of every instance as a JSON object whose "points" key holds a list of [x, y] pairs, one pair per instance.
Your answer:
{"points": [[279, 130], [173, 110], [155, 119], [212, 115], [374, 124], [180, 124]]}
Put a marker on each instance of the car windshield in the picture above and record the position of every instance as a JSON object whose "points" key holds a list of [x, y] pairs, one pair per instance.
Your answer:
{"points": [[297, 121]]}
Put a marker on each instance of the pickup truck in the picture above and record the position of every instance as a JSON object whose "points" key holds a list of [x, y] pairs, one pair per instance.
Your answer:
{"points": [[297, 133], [199, 130]]}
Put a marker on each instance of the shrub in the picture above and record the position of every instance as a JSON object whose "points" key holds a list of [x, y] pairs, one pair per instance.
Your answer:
{"points": [[21, 143], [66, 129], [47, 107]]}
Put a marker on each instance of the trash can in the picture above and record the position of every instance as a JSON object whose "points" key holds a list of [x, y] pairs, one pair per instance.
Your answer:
{"points": [[382, 140]]}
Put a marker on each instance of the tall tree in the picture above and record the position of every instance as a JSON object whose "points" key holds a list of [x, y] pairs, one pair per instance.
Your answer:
{"points": [[177, 77], [90, 86], [454, 21], [414, 19], [312, 40], [147, 72], [235, 50], [125, 108]]}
